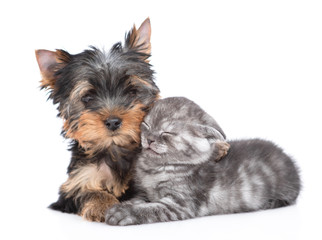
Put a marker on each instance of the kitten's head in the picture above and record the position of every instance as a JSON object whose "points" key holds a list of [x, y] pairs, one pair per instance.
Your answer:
{"points": [[179, 137]]}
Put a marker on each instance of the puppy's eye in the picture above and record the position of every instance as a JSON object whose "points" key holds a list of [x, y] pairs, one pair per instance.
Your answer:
{"points": [[87, 98], [133, 92]]}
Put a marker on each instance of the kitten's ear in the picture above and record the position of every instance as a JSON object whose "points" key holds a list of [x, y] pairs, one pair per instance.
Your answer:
{"points": [[49, 63], [208, 132], [139, 40], [217, 141]]}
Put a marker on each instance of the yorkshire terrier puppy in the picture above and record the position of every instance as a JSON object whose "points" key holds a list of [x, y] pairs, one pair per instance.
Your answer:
{"points": [[102, 98]]}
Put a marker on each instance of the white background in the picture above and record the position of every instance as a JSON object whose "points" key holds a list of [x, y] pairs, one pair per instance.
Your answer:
{"points": [[253, 65]]}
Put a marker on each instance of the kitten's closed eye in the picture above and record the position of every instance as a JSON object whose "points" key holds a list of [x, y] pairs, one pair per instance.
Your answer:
{"points": [[167, 134]]}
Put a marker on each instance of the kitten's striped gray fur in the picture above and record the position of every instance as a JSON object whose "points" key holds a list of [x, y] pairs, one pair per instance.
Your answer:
{"points": [[180, 179]]}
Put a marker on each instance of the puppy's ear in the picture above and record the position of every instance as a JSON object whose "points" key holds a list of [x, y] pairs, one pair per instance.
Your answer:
{"points": [[139, 40], [49, 63]]}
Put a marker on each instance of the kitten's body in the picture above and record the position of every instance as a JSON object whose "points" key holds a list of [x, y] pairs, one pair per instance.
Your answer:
{"points": [[254, 175]]}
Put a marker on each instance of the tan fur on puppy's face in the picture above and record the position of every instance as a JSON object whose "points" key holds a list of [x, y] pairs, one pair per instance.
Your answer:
{"points": [[93, 136]]}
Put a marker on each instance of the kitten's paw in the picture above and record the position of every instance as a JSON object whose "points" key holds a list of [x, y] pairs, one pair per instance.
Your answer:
{"points": [[222, 149], [120, 215]]}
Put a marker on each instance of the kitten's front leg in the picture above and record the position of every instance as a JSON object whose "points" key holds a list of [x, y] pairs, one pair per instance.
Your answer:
{"points": [[122, 214], [134, 212]]}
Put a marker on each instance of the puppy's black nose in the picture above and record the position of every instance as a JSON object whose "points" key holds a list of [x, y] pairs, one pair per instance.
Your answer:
{"points": [[113, 123]]}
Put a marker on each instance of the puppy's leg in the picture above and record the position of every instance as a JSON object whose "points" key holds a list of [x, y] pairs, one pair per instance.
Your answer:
{"points": [[89, 191], [95, 205]]}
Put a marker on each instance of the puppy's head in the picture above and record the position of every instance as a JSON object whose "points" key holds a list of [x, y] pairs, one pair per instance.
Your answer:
{"points": [[102, 96]]}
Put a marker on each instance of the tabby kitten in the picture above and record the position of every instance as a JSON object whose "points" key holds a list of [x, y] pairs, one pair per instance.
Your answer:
{"points": [[180, 179]]}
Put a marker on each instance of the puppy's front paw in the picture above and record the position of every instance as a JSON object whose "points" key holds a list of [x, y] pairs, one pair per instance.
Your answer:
{"points": [[221, 150], [93, 213], [94, 209], [121, 215]]}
